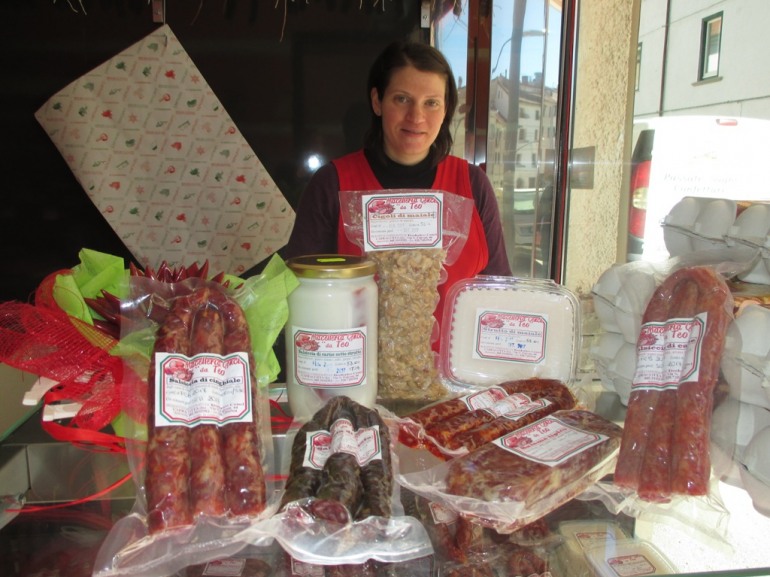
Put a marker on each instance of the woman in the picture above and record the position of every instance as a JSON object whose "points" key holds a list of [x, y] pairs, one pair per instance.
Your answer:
{"points": [[413, 98]]}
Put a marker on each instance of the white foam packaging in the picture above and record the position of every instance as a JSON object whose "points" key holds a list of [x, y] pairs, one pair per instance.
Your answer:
{"points": [[746, 358], [751, 232], [733, 425], [696, 224], [755, 472], [620, 296]]}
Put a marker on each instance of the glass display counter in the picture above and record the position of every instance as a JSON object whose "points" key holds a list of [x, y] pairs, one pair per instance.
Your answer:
{"points": [[50, 539]]}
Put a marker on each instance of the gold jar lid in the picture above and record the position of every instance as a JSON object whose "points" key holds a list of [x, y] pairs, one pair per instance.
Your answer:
{"points": [[331, 266]]}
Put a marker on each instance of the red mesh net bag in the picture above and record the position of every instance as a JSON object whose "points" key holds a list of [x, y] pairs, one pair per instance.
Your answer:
{"points": [[49, 343]]}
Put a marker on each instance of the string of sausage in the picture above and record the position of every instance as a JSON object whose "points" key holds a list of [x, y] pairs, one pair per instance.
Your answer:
{"points": [[453, 425], [187, 469], [342, 490], [552, 398], [665, 443]]}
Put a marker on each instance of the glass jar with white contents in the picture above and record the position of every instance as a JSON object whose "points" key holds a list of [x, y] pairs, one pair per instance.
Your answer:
{"points": [[331, 333]]}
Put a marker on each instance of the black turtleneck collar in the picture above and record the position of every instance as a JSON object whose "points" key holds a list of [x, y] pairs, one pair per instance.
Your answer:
{"points": [[391, 174]]}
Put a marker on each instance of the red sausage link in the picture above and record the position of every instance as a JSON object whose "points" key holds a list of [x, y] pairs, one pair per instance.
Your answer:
{"points": [[695, 400], [167, 455], [641, 403], [245, 488], [555, 401], [655, 477], [206, 452]]}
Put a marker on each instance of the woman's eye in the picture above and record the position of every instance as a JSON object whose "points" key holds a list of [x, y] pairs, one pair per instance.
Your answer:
{"points": [[401, 99]]}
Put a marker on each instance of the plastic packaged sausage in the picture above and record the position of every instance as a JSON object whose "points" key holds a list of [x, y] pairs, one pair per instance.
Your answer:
{"points": [[205, 471], [522, 476]]}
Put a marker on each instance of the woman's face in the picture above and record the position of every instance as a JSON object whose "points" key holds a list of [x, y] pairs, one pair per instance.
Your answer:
{"points": [[412, 110]]}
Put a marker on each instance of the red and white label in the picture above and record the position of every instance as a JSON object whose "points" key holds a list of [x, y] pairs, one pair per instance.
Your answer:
{"points": [[364, 444], [394, 221], [510, 336], [668, 353], [328, 359], [203, 389], [549, 441], [631, 565]]}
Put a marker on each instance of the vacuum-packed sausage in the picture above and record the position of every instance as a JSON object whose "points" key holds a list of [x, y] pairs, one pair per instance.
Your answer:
{"points": [[494, 473], [343, 489], [471, 420], [665, 448], [655, 475], [536, 409]]}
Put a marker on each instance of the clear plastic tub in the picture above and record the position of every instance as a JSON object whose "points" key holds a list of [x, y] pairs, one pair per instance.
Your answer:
{"points": [[579, 535], [497, 329], [628, 558]]}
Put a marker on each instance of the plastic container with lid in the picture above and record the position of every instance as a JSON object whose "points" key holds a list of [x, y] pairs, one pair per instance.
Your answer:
{"points": [[498, 329], [627, 558], [579, 535], [331, 333]]}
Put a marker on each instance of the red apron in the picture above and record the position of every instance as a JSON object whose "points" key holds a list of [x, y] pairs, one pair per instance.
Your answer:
{"points": [[452, 176]]}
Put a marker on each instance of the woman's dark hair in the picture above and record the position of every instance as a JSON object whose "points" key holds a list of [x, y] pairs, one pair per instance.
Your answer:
{"points": [[424, 58]]}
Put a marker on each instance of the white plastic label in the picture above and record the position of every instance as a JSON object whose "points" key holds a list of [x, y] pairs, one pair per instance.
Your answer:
{"points": [[668, 353], [510, 336], [631, 565], [328, 359], [442, 515], [517, 405], [549, 441], [485, 399], [399, 221], [203, 389], [588, 539], [364, 444]]}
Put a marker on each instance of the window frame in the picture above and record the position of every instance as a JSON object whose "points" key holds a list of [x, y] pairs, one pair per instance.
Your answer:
{"points": [[638, 72], [705, 71]]}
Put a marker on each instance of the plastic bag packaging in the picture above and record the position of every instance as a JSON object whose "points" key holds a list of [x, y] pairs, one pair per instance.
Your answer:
{"points": [[340, 504], [664, 467], [522, 476], [456, 426], [203, 459], [410, 255], [678, 356], [458, 542]]}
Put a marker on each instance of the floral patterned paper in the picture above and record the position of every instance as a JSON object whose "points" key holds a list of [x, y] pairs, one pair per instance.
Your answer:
{"points": [[161, 159]]}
